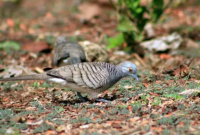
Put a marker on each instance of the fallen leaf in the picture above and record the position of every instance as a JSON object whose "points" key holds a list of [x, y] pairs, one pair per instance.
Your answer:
{"points": [[16, 71], [50, 132], [50, 123], [130, 108], [117, 122], [169, 114], [189, 92], [181, 123], [4, 99], [48, 15], [159, 129], [88, 11], [23, 27], [34, 122], [35, 46], [39, 70], [164, 56], [154, 94], [85, 126], [30, 108], [153, 128], [128, 87], [158, 81], [10, 22], [145, 84], [102, 111], [145, 122], [18, 118], [182, 71], [134, 119], [167, 103]]}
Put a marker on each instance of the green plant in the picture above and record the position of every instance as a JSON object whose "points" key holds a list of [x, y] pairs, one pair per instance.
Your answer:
{"points": [[176, 96], [156, 101], [42, 128], [8, 46], [133, 17]]}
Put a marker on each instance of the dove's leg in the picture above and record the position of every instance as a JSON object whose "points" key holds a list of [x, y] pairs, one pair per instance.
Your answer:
{"points": [[94, 97], [81, 97]]}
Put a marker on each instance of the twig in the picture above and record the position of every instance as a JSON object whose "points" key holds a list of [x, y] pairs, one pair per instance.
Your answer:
{"points": [[139, 59], [113, 4], [130, 16], [188, 63], [168, 4], [128, 132]]}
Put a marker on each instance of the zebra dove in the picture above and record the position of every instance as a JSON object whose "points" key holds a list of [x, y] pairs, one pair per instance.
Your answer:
{"points": [[88, 77], [68, 53]]}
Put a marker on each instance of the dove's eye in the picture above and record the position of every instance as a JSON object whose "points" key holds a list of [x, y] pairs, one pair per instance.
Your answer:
{"points": [[130, 70]]}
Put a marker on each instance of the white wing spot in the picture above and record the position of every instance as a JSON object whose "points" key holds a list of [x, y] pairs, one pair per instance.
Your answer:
{"points": [[65, 61], [58, 80]]}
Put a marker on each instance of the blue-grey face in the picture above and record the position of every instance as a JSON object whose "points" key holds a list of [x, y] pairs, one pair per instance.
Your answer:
{"points": [[129, 69], [61, 39]]}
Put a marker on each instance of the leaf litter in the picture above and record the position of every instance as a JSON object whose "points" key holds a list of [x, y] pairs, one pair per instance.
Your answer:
{"points": [[161, 103]]}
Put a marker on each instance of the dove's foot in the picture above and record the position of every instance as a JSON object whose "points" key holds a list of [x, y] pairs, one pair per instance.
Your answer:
{"points": [[81, 97], [102, 100]]}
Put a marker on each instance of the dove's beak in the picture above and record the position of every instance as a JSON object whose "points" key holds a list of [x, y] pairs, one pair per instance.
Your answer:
{"points": [[136, 77]]}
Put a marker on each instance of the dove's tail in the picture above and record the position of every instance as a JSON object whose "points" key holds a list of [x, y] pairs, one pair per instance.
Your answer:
{"points": [[27, 77]]}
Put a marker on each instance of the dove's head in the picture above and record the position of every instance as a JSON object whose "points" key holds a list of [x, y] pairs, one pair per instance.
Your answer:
{"points": [[129, 69], [60, 40]]}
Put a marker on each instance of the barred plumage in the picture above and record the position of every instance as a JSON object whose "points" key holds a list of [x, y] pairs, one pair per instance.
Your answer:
{"points": [[67, 53], [88, 77]]}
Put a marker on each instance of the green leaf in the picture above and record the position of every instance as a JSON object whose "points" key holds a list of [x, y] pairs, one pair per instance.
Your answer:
{"points": [[158, 3], [135, 3], [138, 10], [125, 25], [59, 109], [7, 45], [50, 39], [115, 41], [137, 36], [174, 95]]}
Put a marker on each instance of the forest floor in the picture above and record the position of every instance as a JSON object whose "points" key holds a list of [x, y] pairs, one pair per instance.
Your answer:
{"points": [[164, 101]]}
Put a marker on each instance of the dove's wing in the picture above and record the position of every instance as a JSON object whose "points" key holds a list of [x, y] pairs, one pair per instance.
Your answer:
{"points": [[88, 75]]}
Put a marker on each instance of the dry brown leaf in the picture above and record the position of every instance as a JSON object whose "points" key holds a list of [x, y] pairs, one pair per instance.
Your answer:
{"points": [[18, 118], [50, 132], [189, 92], [130, 108], [39, 70], [128, 87], [89, 10], [85, 126], [164, 56], [182, 71], [23, 27], [30, 108], [48, 15], [10, 22], [34, 122], [35, 46], [146, 84], [50, 123]]}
